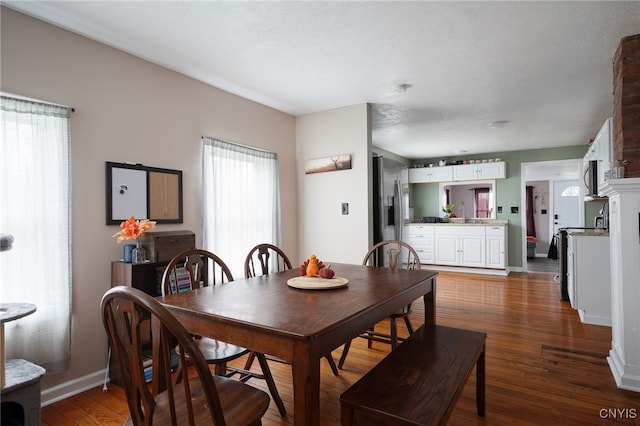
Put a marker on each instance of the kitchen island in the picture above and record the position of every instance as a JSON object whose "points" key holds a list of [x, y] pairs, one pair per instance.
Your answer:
{"points": [[463, 245]]}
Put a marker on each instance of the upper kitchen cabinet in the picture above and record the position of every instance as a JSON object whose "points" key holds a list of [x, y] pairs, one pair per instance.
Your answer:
{"points": [[461, 172], [495, 170], [430, 174]]}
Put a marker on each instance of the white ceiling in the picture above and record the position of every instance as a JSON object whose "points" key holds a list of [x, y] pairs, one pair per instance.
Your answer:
{"points": [[544, 67]]}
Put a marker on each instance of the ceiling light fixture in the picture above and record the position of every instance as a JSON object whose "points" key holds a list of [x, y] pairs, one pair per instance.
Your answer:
{"points": [[401, 88], [498, 124]]}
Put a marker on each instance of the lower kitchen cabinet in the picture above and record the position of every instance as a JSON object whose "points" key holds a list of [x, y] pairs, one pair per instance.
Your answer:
{"points": [[448, 249], [420, 237], [460, 245], [496, 247], [466, 245], [589, 276]]}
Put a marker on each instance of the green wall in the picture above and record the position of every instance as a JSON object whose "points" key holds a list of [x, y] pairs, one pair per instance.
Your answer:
{"points": [[508, 191], [591, 210]]}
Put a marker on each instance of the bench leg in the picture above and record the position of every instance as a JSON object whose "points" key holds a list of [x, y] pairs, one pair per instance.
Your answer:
{"points": [[480, 384], [346, 415]]}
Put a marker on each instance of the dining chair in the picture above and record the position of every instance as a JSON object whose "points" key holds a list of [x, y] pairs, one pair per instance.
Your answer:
{"points": [[197, 268], [261, 260], [200, 399], [391, 254], [268, 258]]}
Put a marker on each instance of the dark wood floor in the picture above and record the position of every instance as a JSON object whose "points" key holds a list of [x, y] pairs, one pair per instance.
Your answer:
{"points": [[543, 366]]}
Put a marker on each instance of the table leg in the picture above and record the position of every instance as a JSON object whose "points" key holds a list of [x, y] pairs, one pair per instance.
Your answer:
{"points": [[480, 384], [2, 359], [306, 385], [430, 304]]}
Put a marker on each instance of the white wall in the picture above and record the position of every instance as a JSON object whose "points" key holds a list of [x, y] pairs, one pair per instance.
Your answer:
{"points": [[324, 231], [128, 109]]}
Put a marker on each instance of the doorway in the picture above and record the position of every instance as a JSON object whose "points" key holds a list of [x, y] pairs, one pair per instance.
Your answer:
{"points": [[553, 178], [566, 200]]}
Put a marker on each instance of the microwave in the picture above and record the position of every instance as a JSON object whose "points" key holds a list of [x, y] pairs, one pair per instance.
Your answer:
{"points": [[591, 178]]}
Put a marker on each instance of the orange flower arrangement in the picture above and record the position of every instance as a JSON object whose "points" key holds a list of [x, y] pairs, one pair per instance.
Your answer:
{"points": [[132, 228]]}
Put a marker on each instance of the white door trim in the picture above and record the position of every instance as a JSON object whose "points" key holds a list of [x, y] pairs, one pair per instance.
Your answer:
{"points": [[570, 169]]}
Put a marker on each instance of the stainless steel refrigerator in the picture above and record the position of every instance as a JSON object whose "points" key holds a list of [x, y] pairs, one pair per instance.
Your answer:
{"points": [[390, 199]]}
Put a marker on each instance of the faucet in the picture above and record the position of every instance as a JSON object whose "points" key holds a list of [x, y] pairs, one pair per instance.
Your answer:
{"points": [[464, 213]]}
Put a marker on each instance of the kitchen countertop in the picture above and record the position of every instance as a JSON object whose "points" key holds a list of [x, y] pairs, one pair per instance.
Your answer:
{"points": [[590, 233], [468, 222]]}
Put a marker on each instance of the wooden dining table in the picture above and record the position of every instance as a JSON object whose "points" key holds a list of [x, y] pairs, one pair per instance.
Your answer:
{"points": [[266, 315]]}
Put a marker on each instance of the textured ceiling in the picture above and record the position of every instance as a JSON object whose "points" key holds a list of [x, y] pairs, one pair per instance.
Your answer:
{"points": [[543, 67]]}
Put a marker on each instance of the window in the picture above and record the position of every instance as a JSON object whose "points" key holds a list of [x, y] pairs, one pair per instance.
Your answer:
{"points": [[571, 191], [35, 189], [241, 200], [482, 202]]}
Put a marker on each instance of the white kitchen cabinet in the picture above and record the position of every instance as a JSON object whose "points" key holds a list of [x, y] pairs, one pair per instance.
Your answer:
{"points": [[430, 174], [465, 172], [462, 172], [473, 250], [496, 170], [496, 243], [589, 277], [463, 245], [602, 145], [571, 280], [447, 249], [460, 245], [421, 238]]}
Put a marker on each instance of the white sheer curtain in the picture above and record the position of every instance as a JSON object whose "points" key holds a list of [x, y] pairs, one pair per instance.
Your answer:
{"points": [[35, 207], [241, 200]]}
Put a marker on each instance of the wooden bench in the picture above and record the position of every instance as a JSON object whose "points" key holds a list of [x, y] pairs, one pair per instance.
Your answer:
{"points": [[419, 382]]}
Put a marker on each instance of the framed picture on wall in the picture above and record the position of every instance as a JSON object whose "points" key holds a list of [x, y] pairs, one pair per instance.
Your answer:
{"points": [[329, 164], [144, 192]]}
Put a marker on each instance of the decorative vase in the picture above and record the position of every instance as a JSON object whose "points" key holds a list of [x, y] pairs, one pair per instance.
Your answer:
{"points": [[139, 254], [445, 218], [128, 252]]}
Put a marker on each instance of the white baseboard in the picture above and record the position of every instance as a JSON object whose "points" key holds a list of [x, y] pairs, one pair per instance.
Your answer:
{"points": [[626, 376], [72, 387], [462, 269]]}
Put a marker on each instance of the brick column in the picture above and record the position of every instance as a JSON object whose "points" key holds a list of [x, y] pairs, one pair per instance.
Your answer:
{"points": [[626, 105]]}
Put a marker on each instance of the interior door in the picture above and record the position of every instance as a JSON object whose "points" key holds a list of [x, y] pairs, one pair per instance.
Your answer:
{"points": [[566, 204]]}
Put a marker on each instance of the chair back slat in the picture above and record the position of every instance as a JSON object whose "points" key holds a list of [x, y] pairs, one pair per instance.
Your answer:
{"points": [[398, 255], [264, 259], [193, 269]]}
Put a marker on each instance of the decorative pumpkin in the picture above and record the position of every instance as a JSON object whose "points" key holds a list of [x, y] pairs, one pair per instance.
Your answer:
{"points": [[327, 272], [312, 267], [304, 268]]}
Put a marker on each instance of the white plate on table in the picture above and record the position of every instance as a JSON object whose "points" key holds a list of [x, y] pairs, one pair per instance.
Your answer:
{"points": [[317, 283]]}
